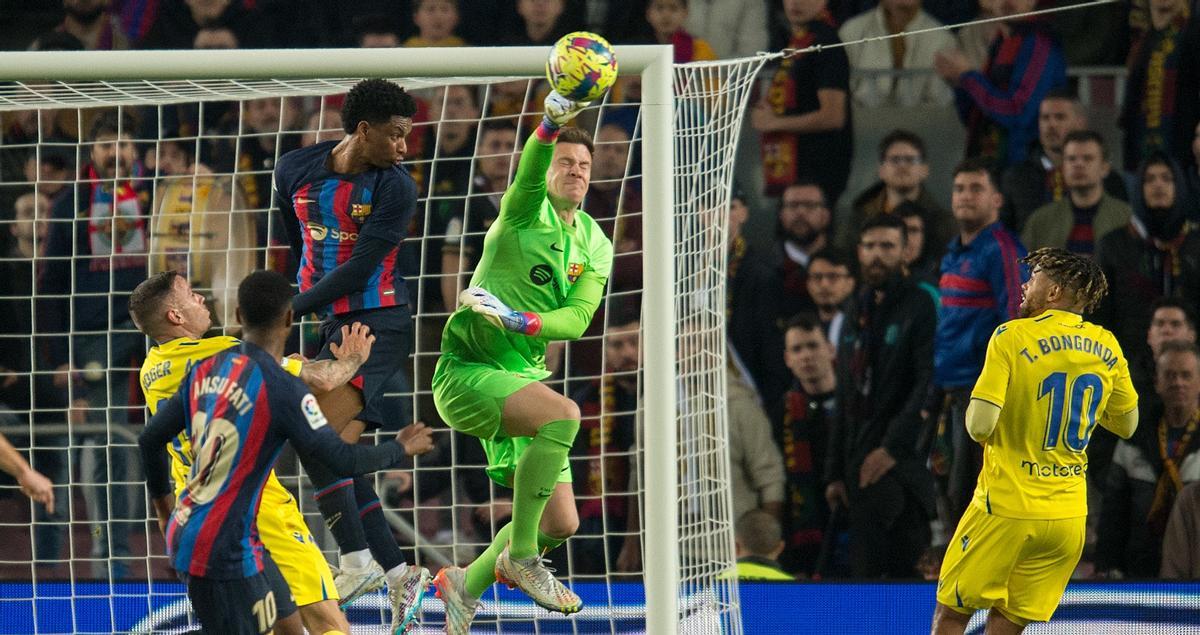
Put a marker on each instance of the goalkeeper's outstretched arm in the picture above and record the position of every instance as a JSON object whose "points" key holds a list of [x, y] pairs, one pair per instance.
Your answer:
{"points": [[524, 197]]}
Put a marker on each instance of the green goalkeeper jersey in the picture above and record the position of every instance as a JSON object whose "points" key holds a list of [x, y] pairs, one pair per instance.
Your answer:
{"points": [[533, 261]]}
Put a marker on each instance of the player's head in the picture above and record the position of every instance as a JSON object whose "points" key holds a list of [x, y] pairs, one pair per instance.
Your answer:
{"points": [[165, 307], [1060, 279], [265, 303], [1177, 375], [881, 248], [1170, 320], [570, 171], [975, 196], [806, 350], [758, 533], [378, 113]]}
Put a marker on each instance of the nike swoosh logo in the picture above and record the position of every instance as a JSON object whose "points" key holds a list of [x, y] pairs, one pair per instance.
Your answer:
{"points": [[554, 247], [305, 201]]}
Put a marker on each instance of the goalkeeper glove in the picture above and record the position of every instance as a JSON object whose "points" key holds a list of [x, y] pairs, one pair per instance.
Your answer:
{"points": [[560, 110], [489, 306]]}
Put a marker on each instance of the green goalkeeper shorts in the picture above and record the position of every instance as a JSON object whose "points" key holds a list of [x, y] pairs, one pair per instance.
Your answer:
{"points": [[470, 398]]}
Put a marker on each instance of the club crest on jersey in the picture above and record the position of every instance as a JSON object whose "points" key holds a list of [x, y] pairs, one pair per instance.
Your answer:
{"points": [[359, 211], [574, 270]]}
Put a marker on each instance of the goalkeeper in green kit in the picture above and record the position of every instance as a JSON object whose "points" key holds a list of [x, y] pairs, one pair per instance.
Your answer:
{"points": [[540, 278]]}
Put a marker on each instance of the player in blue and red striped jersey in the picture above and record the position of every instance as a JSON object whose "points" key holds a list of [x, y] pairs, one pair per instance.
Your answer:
{"points": [[345, 206], [238, 409]]}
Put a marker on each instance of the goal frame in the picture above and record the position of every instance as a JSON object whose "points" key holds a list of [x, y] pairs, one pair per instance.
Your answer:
{"points": [[653, 62]]}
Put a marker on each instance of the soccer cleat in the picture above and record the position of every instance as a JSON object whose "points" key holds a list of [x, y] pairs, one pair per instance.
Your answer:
{"points": [[451, 586], [354, 583], [535, 579], [406, 597]]}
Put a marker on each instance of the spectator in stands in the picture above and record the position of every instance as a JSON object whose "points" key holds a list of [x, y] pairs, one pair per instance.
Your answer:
{"points": [[976, 39], [911, 53], [1038, 179], [49, 171], [1162, 85], [436, 21], [261, 142], [804, 116], [603, 459], [29, 398], [177, 23], [758, 542], [752, 306], [756, 478], [922, 257], [494, 165], [734, 28], [214, 38], [1156, 254], [876, 467], [323, 124], [1149, 469], [902, 174], [1170, 320], [666, 19], [1086, 213], [980, 286], [200, 227], [999, 101], [376, 31], [1181, 540], [539, 24], [96, 254], [92, 23], [802, 422], [802, 229], [830, 283], [23, 129], [615, 202]]}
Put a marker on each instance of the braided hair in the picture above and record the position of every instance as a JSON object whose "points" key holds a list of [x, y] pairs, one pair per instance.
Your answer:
{"points": [[1078, 274]]}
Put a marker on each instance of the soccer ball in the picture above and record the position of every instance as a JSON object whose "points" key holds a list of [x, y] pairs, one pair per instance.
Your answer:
{"points": [[582, 66]]}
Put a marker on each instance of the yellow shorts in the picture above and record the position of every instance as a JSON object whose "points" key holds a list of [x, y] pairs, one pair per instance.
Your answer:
{"points": [[1019, 567], [286, 537]]}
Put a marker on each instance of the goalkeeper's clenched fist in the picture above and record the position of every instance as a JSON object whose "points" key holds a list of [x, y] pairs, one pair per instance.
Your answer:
{"points": [[560, 110], [489, 306]]}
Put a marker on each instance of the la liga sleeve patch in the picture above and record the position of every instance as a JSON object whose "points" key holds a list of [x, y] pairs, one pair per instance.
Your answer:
{"points": [[312, 412]]}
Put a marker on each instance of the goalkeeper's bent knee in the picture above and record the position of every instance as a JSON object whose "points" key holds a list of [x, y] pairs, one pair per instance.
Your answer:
{"points": [[561, 432]]}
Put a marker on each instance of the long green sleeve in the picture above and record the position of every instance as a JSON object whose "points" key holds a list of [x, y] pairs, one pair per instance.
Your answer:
{"points": [[569, 321]]}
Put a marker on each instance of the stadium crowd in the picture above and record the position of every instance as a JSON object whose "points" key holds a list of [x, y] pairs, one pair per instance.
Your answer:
{"points": [[856, 330]]}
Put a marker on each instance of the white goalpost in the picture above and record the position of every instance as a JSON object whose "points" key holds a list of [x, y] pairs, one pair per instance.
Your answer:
{"points": [[680, 127]]}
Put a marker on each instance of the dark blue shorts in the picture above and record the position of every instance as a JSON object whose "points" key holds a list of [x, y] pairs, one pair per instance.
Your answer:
{"points": [[249, 606], [384, 372]]}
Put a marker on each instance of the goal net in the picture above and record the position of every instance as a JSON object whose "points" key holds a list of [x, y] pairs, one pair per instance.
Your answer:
{"points": [[104, 179]]}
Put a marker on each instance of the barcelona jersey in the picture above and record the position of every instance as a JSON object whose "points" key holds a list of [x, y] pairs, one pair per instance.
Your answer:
{"points": [[332, 211], [1054, 377]]}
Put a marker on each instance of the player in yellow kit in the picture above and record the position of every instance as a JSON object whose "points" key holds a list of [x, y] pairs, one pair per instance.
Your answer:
{"points": [[165, 308], [1048, 379]]}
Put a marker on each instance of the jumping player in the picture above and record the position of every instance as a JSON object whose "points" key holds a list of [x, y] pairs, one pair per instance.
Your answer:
{"points": [[238, 407], [167, 310], [345, 206], [1048, 378], [549, 260]]}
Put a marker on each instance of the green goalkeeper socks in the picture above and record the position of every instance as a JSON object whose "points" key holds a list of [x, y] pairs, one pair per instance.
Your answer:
{"points": [[533, 482], [482, 572]]}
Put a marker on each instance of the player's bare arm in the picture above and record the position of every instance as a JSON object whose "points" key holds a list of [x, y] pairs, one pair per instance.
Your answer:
{"points": [[324, 375]]}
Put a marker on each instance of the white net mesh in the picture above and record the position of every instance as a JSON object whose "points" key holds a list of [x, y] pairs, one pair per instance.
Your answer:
{"points": [[188, 187]]}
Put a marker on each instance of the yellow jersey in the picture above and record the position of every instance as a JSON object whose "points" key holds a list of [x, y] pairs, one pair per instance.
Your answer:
{"points": [[1054, 378], [163, 371]]}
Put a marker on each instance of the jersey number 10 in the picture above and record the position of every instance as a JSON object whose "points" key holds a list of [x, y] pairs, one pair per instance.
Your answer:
{"points": [[1077, 433]]}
